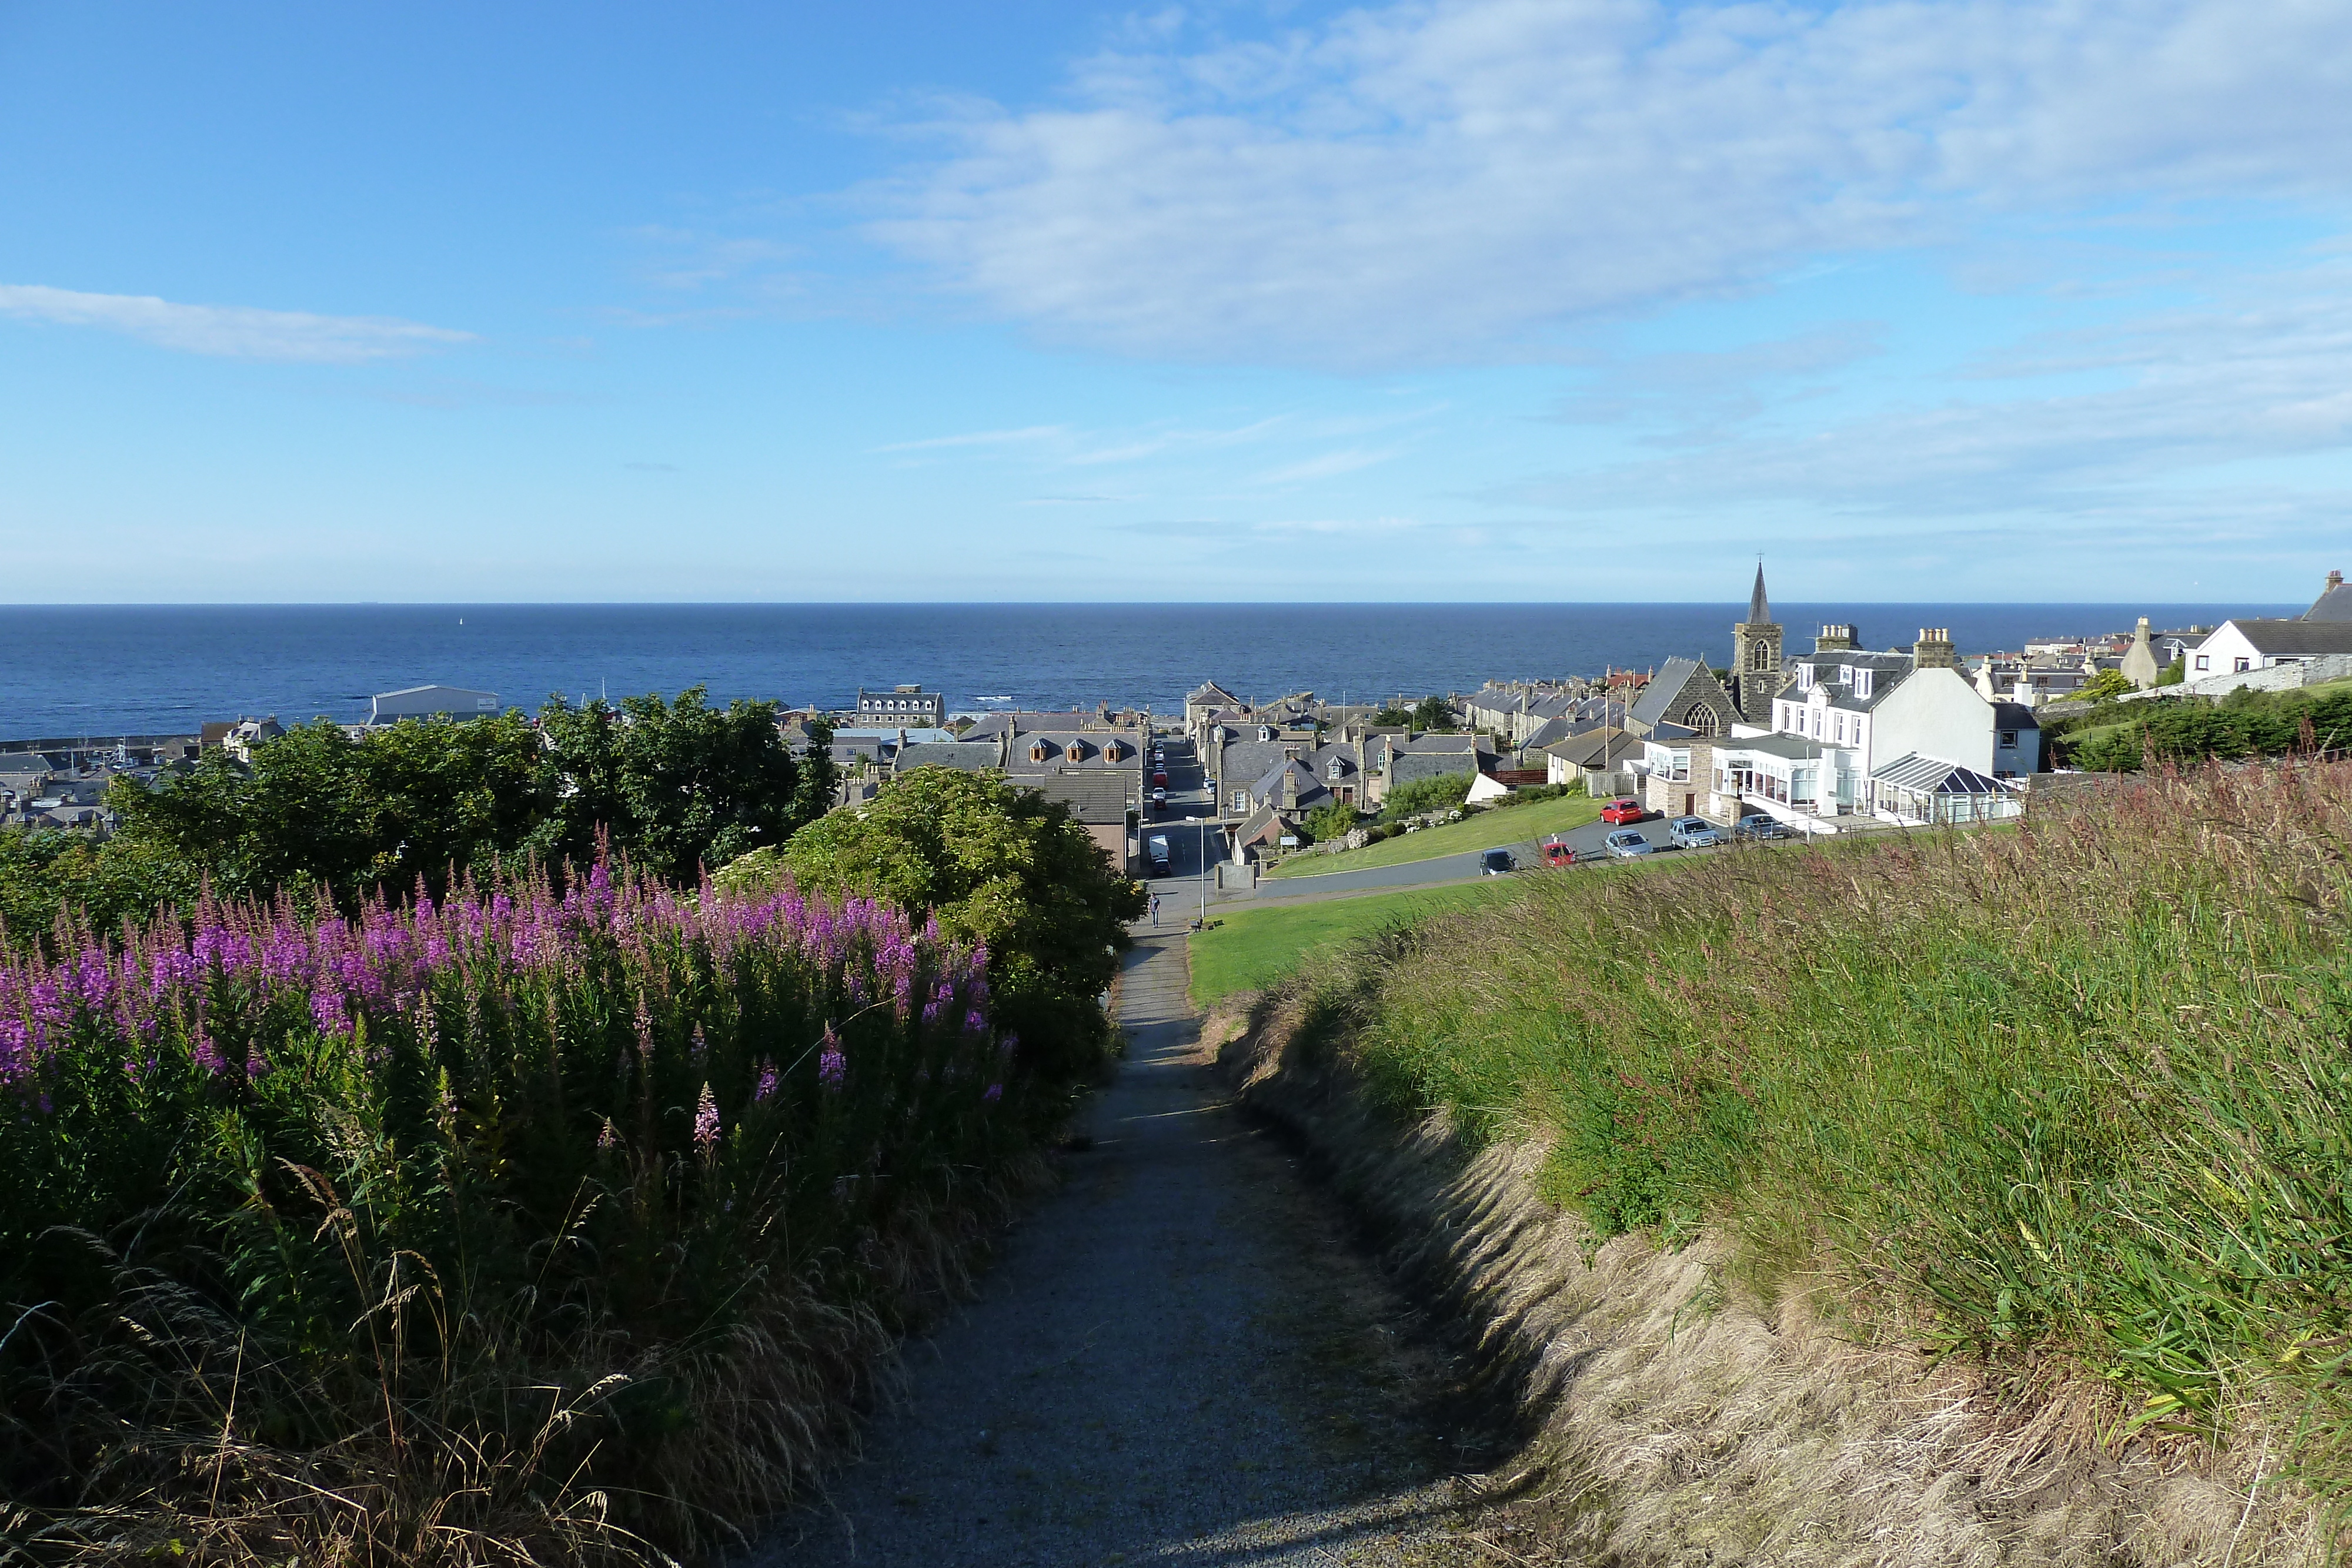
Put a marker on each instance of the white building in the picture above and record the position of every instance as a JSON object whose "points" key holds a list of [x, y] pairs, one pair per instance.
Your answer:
{"points": [[432, 702], [1901, 736]]}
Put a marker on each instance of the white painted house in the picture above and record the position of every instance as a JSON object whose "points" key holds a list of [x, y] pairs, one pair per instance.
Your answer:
{"points": [[1901, 736]]}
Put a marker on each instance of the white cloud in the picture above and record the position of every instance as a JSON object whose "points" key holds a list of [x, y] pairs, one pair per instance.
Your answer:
{"points": [[2179, 404], [1454, 180], [1024, 436], [231, 331]]}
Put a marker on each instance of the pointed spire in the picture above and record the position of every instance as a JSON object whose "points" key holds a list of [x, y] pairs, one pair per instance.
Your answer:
{"points": [[1759, 609]]}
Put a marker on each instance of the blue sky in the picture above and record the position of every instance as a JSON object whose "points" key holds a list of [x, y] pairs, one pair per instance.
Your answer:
{"points": [[1474, 299]]}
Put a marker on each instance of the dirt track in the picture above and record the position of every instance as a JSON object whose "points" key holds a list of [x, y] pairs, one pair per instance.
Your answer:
{"points": [[1179, 1356]]}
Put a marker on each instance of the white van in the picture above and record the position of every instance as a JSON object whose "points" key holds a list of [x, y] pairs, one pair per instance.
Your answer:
{"points": [[1156, 846]]}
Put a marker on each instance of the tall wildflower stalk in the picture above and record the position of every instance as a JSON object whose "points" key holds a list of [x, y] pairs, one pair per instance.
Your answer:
{"points": [[448, 1228]]}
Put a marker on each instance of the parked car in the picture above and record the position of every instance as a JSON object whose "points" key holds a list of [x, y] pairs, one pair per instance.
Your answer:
{"points": [[1758, 827], [1692, 833], [1156, 847], [1557, 853], [1160, 800], [1497, 863], [1159, 776], [1622, 810], [1626, 844]]}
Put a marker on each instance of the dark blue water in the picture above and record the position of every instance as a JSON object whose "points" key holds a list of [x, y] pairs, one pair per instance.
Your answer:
{"points": [[97, 670]]}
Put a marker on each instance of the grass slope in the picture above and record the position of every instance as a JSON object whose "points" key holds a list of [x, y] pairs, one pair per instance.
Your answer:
{"points": [[2072, 1099], [1255, 947], [1487, 831]]}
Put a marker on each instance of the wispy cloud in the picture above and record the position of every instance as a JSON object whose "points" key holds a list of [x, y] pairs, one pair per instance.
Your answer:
{"points": [[1024, 436], [1462, 180], [1329, 465], [230, 332]]}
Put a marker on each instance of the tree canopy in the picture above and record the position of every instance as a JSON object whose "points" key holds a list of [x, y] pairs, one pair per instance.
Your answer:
{"points": [[994, 863]]}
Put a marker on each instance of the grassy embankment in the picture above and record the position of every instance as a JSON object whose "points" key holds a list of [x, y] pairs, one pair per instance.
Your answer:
{"points": [[2069, 1099], [1253, 948], [1487, 831]]}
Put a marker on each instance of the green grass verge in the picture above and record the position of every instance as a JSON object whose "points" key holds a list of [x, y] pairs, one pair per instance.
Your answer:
{"points": [[2071, 1095], [1487, 831], [1253, 948]]}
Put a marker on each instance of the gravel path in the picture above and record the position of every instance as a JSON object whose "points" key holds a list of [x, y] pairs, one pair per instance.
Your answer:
{"points": [[1176, 1357]]}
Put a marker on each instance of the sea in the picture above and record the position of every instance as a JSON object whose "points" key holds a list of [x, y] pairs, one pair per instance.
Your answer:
{"points": [[69, 671]]}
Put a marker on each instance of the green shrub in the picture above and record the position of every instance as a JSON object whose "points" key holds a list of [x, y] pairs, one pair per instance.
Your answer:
{"points": [[508, 1227], [994, 865], [1432, 794]]}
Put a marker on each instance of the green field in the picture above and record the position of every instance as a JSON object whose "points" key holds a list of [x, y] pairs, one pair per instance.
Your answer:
{"points": [[1255, 947], [1488, 829]]}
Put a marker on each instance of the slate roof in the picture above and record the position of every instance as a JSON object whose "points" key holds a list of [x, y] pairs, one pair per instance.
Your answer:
{"points": [[1099, 798], [1888, 672], [1596, 748], [970, 756], [1759, 609], [1210, 692], [2014, 715], [1664, 686], [2298, 639], [2336, 604], [1412, 765]]}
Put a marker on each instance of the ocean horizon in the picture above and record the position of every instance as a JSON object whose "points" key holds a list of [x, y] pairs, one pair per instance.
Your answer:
{"points": [[97, 670]]}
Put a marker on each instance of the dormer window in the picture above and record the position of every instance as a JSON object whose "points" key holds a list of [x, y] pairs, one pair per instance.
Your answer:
{"points": [[1113, 751], [1333, 770], [1861, 683], [1265, 732], [1039, 751], [1804, 677], [1075, 753]]}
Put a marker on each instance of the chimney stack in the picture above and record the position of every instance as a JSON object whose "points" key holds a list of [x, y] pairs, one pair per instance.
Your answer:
{"points": [[1834, 640], [2335, 580], [1933, 650]]}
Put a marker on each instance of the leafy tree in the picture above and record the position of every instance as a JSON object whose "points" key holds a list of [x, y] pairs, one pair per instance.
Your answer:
{"points": [[679, 785], [2105, 686], [1329, 821], [819, 777], [316, 806], [1432, 713], [995, 863], [1392, 717], [2173, 674], [1426, 795]]}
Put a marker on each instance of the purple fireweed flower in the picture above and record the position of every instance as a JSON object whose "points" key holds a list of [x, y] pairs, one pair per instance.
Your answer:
{"points": [[975, 1022], [608, 1139], [327, 1011], [991, 1094], [765, 1089], [706, 1122], [207, 1054], [832, 1068]]}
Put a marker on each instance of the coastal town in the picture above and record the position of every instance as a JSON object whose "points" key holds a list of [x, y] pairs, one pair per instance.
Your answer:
{"points": [[1800, 733]]}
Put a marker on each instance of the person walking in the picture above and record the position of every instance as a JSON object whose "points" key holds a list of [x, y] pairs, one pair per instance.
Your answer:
{"points": [[1155, 909]]}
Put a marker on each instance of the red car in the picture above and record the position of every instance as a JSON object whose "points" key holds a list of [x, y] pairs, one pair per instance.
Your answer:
{"points": [[1619, 813], [1159, 776], [1558, 853]]}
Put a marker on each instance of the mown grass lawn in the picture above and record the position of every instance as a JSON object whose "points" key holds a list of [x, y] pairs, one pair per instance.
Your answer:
{"points": [[1250, 949], [1487, 831]]}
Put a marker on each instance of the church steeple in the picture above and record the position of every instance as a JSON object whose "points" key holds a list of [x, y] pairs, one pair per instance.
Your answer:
{"points": [[1756, 656]]}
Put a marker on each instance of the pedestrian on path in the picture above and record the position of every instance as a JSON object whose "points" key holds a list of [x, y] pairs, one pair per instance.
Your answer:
{"points": [[1155, 909]]}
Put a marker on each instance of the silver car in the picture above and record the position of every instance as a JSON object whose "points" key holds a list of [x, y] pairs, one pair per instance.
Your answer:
{"points": [[1625, 844], [1692, 833]]}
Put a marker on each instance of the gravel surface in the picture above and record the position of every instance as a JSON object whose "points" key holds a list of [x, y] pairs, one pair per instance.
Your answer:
{"points": [[1178, 1357]]}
